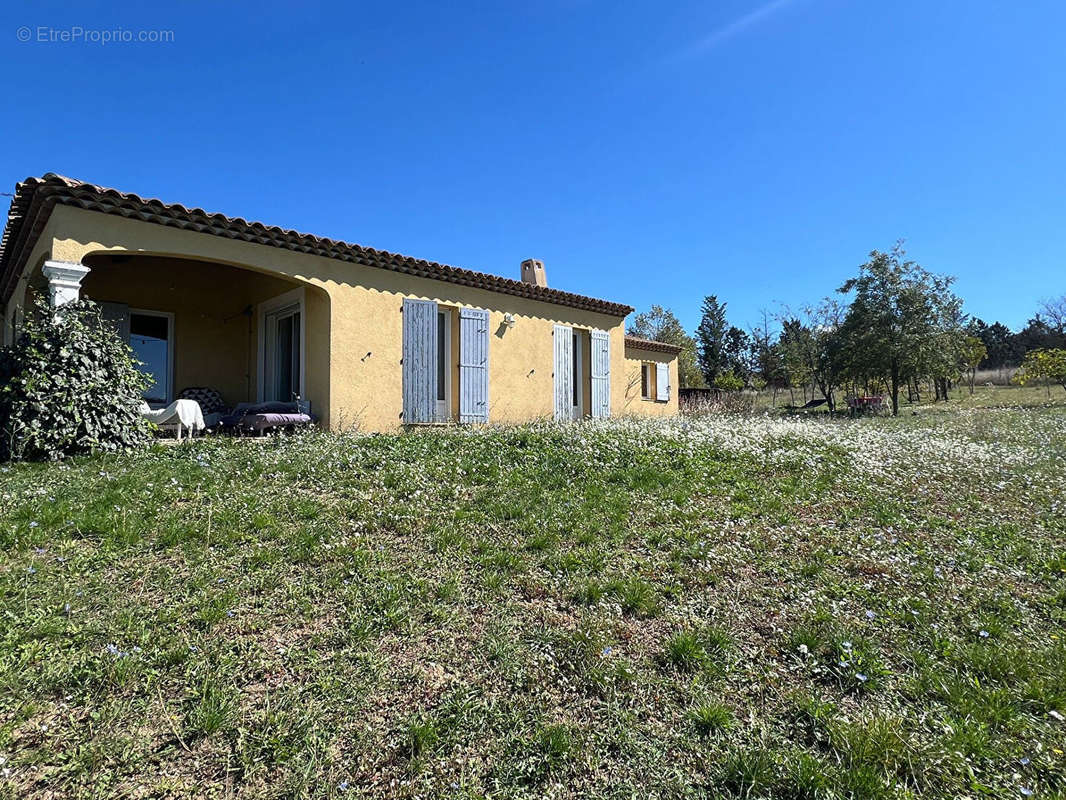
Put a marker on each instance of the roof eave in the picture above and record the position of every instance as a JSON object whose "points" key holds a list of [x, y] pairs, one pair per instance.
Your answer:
{"points": [[37, 197]]}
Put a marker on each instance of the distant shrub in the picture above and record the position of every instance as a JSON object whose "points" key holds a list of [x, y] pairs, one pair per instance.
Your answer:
{"points": [[716, 401], [69, 386], [728, 382]]}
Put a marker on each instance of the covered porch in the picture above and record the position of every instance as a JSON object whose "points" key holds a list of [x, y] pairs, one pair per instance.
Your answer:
{"points": [[202, 324]]}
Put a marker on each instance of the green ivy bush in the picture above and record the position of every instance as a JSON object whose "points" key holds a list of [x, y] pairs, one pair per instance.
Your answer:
{"points": [[69, 386]]}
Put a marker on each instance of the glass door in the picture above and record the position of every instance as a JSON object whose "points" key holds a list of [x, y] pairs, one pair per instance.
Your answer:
{"points": [[282, 354]]}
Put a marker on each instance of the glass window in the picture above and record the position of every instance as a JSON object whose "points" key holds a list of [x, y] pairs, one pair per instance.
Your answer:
{"points": [[288, 355], [150, 340]]}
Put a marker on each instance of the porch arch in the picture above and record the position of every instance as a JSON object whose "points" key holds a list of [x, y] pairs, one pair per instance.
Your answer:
{"points": [[216, 328]]}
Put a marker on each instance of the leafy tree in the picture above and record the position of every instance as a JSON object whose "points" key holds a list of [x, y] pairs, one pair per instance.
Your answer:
{"points": [[69, 386], [828, 353], [1043, 364], [660, 325], [896, 318], [711, 339], [795, 346], [971, 354], [737, 349], [766, 359], [813, 351], [1038, 334], [999, 342], [946, 352]]}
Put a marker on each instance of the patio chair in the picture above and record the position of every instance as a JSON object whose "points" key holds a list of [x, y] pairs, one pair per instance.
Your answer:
{"points": [[181, 416], [212, 405]]}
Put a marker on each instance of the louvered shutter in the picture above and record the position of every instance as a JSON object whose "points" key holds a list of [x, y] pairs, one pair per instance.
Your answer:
{"points": [[662, 381], [118, 316], [419, 361], [564, 372], [473, 365], [600, 372]]}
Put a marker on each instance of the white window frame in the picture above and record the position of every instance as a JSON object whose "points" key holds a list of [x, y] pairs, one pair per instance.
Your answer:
{"points": [[444, 407], [295, 297], [169, 317]]}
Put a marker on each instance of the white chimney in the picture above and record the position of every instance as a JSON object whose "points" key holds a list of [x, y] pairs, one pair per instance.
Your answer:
{"points": [[533, 272]]}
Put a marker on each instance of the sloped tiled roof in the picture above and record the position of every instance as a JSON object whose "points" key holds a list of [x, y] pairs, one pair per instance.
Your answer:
{"points": [[651, 344], [36, 197]]}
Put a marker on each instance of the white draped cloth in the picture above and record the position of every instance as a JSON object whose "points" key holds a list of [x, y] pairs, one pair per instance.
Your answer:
{"points": [[186, 413]]}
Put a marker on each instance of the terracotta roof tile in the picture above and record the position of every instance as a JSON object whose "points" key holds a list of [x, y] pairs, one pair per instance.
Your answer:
{"points": [[36, 197], [651, 344]]}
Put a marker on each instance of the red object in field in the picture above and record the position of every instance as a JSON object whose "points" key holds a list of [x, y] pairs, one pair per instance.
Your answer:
{"points": [[862, 404]]}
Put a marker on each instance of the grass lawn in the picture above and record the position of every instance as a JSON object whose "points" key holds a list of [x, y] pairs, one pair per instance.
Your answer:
{"points": [[717, 607]]}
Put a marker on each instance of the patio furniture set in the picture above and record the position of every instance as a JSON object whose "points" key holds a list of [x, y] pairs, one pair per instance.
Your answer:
{"points": [[200, 409]]}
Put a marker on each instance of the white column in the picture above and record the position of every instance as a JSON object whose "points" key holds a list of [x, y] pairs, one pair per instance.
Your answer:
{"points": [[64, 281]]}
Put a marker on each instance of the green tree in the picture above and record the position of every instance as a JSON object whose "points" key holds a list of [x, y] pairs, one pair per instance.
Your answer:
{"points": [[998, 341], [711, 339], [1043, 364], [737, 353], [766, 359], [660, 325], [945, 354], [795, 345], [971, 354], [828, 356], [896, 319], [812, 349]]}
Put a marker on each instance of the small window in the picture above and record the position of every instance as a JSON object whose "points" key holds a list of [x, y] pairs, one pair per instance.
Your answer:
{"points": [[647, 381]]}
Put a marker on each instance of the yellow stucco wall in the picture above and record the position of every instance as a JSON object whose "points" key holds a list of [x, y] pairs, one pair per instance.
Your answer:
{"points": [[354, 352], [368, 347], [635, 404]]}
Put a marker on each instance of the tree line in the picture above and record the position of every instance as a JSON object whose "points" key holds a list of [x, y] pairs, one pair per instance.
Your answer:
{"points": [[893, 328]]}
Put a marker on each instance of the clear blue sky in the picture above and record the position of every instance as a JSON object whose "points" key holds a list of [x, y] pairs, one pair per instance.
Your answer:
{"points": [[647, 152]]}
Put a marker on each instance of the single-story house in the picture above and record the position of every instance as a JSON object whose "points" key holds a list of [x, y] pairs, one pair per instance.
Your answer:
{"points": [[372, 339]]}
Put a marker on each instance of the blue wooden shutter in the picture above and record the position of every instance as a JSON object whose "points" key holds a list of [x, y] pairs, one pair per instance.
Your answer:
{"points": [[473, 365], [600, 372], [662, 381], [564, 371], [419, 361]]}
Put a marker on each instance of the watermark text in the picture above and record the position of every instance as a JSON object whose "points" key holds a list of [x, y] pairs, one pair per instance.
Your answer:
{"points": [[76, 34]]}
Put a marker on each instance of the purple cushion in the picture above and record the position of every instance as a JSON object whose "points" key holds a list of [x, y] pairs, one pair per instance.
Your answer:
{"points": [[262, 422]]}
